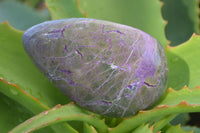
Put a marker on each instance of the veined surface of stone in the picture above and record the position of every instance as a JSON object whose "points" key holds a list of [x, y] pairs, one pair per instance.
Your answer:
{"points": [[105, 67]]}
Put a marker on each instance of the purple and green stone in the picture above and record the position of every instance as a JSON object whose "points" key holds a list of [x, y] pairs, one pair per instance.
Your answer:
{"points": [[105, 67]]}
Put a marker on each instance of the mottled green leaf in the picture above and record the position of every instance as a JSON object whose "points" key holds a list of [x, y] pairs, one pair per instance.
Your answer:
{"points": [[60, 9], [142, 14], [182, 17], [19, 15], [184, 64], [58, 114]]}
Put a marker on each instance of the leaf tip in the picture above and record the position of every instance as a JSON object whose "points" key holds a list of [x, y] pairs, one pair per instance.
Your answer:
{"points": [[57, 106], [186, 88], [168, 46], [45, 5], [197, 88], [45, 112], [166, 22], [170, 90], [6, 21], [162, 3], [183, 103], [58, 118], [194, 34], [151, 128]]}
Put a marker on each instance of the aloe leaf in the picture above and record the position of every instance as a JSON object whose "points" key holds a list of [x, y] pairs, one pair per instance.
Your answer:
{"points": [[33, 104], [26, 77], [58, 114], [11, 113], [182, 17], [162, 123], [24, 83], [175, 129], [16, 93], [172, 97], [143, 129], [88, 129], [183, 62], [20, 16], [125, 12], [169, 104], [60, 9]]}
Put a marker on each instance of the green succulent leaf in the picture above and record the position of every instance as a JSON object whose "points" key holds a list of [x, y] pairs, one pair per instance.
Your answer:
{"points": [[182, 17], [26, 77], [19, 15], [183, 62], [11, 113], [58, 114], [60, 9], [163, 122], [172, 97], [143, 129], [127, 12], [24, 83], [169, 104], [21, 81], [88, 129]]}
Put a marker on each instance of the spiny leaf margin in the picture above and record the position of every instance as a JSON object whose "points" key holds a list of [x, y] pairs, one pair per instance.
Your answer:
{"points": [[162, 109], [183, 63]]}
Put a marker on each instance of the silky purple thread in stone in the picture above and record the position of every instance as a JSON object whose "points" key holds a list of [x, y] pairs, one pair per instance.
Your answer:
{"points": [[105, 67]]}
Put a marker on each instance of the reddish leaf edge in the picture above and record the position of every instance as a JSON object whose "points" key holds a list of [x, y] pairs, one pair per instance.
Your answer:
{"points": [[185, 43], [8, 24], [79, 8], [22, 91], [144, 116], [166, 23]]}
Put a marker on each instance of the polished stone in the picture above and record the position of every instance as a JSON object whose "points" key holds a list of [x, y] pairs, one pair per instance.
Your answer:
{"points": [[108, 68]]}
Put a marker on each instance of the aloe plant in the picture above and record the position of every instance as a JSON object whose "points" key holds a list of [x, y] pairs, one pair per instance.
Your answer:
{"points": [[29, 102]]}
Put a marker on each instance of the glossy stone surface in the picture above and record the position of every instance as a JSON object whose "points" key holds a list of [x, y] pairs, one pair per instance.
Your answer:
{"points": [[105, 67]]}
